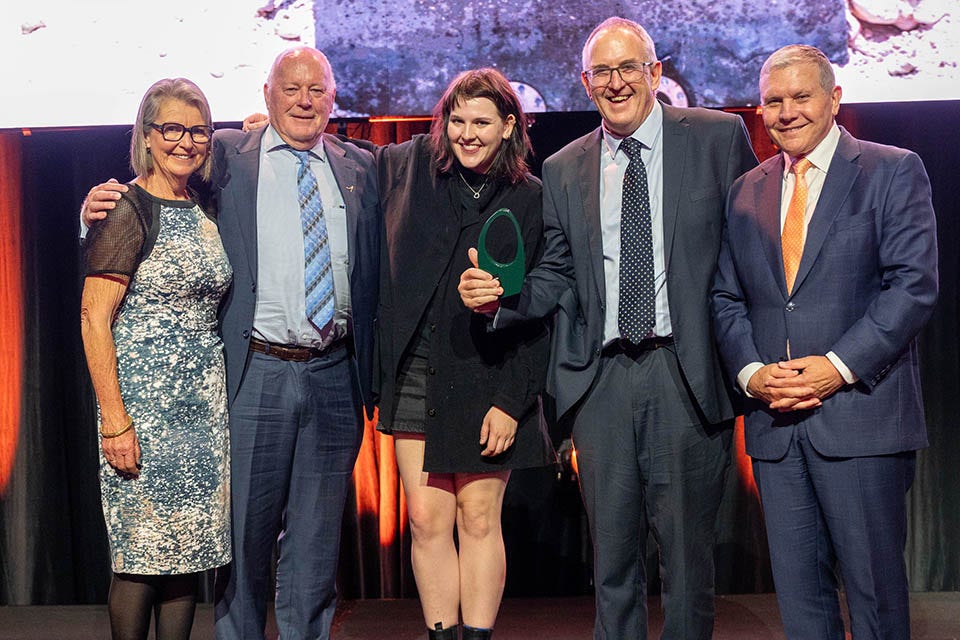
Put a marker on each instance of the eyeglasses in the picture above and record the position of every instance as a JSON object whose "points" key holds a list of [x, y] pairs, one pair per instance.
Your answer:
{"points": [[630, 72], [173, 132]]}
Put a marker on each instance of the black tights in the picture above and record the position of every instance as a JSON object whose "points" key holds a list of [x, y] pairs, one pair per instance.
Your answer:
{"points": [[172, 599]]}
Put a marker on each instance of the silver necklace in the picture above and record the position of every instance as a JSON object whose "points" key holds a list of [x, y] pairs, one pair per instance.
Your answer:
{"points": [[475, 192]]}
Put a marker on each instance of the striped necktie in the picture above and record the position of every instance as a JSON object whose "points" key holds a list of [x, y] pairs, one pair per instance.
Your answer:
{"points": [[317, 271]]}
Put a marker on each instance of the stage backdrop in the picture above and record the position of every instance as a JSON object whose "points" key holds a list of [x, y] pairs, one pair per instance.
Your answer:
{"points": [[395, 57], [52, 539]]}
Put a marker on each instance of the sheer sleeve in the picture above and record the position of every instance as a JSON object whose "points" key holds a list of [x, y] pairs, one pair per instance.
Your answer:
{"points": [[114, 244]]}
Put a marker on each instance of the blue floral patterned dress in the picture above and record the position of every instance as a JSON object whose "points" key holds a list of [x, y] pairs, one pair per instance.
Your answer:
{"points": [[174, 518]]}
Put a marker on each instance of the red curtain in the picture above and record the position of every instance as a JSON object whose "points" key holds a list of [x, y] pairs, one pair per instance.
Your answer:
{"points": [[11, 303], [377, 527]]}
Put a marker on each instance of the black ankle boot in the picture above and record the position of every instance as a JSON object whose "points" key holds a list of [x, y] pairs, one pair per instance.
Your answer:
{"points": [[473, 633], [450, 633]]}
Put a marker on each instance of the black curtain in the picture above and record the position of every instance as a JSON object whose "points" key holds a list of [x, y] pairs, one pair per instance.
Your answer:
{"points": [[933, 131], [52, 538]]}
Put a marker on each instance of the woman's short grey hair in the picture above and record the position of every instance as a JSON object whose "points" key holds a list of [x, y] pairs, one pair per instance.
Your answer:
{"points": [[166, 89]]}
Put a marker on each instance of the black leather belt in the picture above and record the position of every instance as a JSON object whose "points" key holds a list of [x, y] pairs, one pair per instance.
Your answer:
{"points": [[294, 353], [632, 349]]}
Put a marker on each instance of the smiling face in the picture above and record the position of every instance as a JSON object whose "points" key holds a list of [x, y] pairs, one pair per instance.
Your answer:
{"points": [[175, 162], [476, 130], [299, 94], [798, 111], [623, 106]]}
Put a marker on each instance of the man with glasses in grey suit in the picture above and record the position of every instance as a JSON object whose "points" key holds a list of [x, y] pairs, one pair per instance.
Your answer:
{"points": [[632, 215]]}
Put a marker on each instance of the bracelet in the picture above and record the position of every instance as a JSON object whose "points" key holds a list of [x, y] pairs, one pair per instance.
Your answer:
{"points": [[116, 434]]}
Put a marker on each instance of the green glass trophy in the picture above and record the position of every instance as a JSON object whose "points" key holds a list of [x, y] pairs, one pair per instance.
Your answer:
{"points": [[511, 273]]}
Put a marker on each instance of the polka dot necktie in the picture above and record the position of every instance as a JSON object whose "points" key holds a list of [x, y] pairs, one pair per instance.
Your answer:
{"points": [[791, 238], [636, 313], [318, 270]]}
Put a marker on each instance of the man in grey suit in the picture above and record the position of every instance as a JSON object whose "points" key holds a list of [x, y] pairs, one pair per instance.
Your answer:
{"points": [[297, 387], [649, 405], [827, 273]]}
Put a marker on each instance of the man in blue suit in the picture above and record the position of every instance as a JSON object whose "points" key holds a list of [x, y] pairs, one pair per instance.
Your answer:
{"points": [[297, 390], [827, 273], [650, 409]]}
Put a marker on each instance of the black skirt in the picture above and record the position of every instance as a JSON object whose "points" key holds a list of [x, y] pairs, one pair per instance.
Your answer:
{"points": [[410, 406]]}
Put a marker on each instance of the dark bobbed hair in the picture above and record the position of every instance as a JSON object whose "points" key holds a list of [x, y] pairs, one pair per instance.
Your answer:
{"points": [[141, 162], [510, 161]]}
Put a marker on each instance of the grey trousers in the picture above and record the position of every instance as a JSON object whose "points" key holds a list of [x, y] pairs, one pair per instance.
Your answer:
{"points": [[648, 465]]}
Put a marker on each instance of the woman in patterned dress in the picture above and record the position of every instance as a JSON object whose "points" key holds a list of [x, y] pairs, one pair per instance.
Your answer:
{"points": [[155, 273]]}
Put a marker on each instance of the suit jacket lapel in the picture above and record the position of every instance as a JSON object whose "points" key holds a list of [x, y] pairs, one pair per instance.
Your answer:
{"points": [[345, 172], [244, 172], [767, 193], [588, 163], [674, 152], [841, 175]]}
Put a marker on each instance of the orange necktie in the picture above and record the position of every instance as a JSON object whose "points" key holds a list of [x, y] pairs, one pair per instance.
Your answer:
{"points": [[791, 239]]}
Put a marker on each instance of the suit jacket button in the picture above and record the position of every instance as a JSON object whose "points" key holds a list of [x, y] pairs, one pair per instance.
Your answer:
{"points": [[431, 412], [791, 306], [432, 371], [246, 334]]}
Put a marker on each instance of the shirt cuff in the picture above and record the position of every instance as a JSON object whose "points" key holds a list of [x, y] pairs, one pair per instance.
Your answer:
{"points": [[743, 378], [848, 376]]}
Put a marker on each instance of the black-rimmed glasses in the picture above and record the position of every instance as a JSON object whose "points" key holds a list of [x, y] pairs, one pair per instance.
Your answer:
{"points": [[173, 132], [630, 72]]}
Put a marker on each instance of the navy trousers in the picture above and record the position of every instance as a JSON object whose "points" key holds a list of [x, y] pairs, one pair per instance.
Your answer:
{"points": [[295, 430], [824, 514]]}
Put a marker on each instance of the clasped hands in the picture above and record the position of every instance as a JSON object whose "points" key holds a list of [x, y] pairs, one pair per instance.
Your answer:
{"points": [[795, 385]]}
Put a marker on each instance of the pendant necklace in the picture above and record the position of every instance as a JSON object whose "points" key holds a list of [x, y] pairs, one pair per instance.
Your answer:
{"points": [[475, 192]]}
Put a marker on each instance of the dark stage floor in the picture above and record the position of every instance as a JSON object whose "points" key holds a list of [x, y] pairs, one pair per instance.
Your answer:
{"points": [[936, 616]]}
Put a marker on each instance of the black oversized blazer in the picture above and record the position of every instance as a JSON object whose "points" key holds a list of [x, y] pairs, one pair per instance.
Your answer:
{"points": [[470, 368]]}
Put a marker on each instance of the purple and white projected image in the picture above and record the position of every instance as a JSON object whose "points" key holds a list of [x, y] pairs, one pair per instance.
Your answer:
{"points": [[71, 63]]}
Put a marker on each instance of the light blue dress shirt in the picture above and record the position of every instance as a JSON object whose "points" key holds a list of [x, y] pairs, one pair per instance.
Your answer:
{"points": [[613, 166], [280, 315]]}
